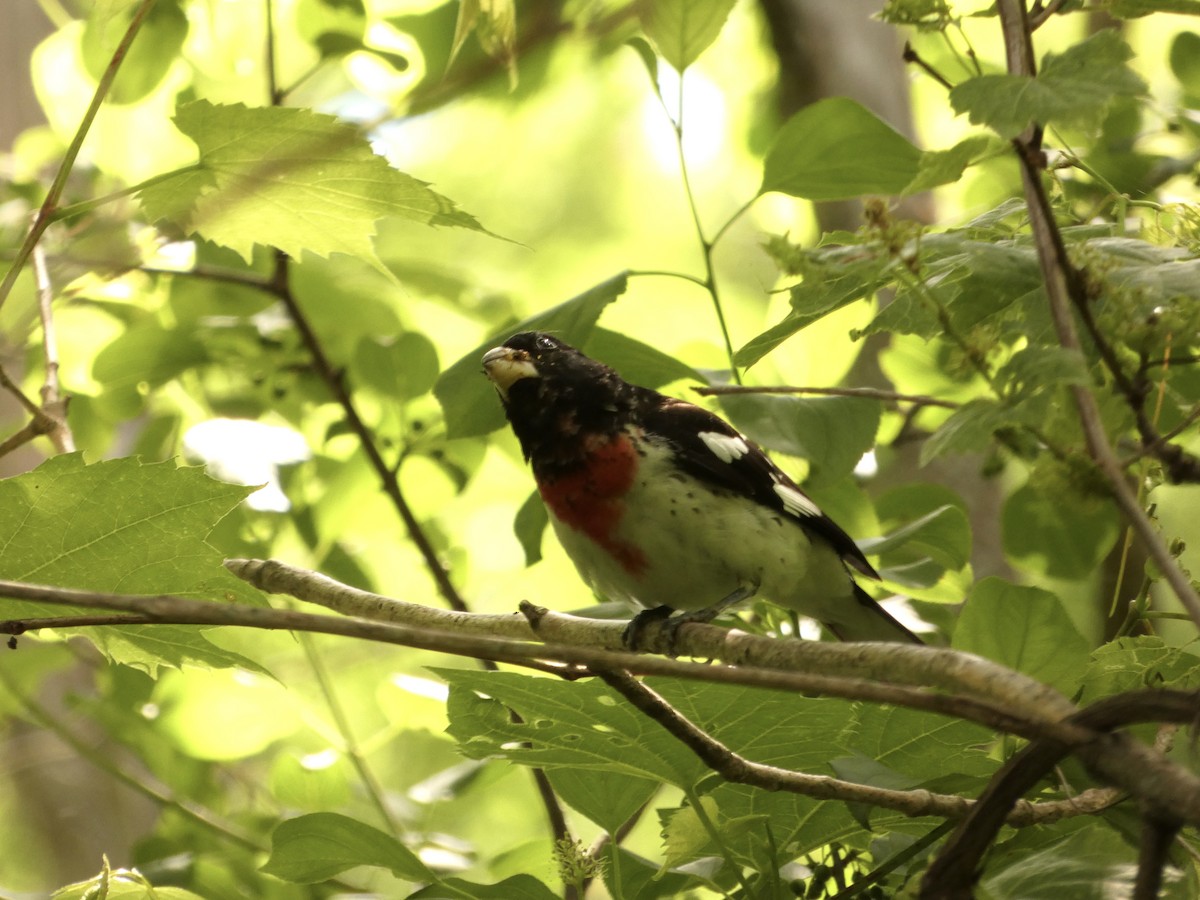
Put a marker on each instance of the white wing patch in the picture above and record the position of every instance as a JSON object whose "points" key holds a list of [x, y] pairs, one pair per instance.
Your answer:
{"points": [[725, 447], [795, 502]]}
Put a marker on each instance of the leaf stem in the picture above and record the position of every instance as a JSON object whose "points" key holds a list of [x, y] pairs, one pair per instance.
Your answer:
{"points": [[145, 785], [714, 835], [350, 745], [45, 213], [709, 281], [86, 206]]}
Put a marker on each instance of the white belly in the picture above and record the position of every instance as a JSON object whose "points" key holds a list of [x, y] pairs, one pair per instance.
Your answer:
{"points": [[701, 545]]}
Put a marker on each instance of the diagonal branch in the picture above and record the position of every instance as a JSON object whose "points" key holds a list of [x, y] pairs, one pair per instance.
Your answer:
{"points": [[952, 874], [335, 381], [1063, 285]]}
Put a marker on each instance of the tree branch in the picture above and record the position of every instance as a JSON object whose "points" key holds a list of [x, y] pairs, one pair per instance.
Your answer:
{"points": [[864, 392], [953, 872], [335, 381], [736, 768], [1063, 284], [1134, 767]]}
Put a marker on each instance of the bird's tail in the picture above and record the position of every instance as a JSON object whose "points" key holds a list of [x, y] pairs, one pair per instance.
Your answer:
{"points": [[868, 621]]}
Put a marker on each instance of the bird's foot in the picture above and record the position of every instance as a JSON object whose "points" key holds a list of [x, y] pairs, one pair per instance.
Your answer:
{"points": [[635, 630], [634, 633]]}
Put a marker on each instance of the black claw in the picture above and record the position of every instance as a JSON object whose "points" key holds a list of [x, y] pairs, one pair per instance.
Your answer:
{"points": [[632, 636]]}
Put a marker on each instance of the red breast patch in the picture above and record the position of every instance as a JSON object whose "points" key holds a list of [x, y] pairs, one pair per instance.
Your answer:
{"points": [[592, 499]]}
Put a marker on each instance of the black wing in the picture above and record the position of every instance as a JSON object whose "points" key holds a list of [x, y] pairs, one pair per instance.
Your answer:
{"points": [[712, 450]]}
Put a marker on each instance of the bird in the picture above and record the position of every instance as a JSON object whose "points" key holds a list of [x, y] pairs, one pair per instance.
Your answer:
{"points": [[666, 507]]}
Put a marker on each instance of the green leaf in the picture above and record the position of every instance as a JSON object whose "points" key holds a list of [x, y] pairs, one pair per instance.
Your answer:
{"points": [[126, 527], [1094, 863], [1050, 528], [939, 167], [833, 277], [1071, 88], [969, 429], [683, 29], [943, 535], [836, 149], [832, 433], [1036, 368], [1024, 628], [400, 367], [608, 799], [148, 352], [315, 847], [1185, 60], [515, 887], [580, 725], [291, 179], [637, 362], [529, 525], [149, 57], [468, 398], [1132, 663], [1132, 9], [121, 884]]}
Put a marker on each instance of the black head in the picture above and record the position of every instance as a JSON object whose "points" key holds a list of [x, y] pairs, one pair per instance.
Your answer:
{"points": [[553, 394]]}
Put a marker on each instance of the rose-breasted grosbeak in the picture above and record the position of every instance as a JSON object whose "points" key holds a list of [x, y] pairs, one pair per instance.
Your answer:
{"points": [[661, 503]]}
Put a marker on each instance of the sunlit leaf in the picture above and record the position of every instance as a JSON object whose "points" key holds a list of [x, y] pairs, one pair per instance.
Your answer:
{"points": [[938, 167], [529, 525], [1024, 628], [515, 887], [1071, 88], [943, 535], [832, 433], [1061, 539], [317, 846], [608, 799], [126, 527], [683, 29], [291, 179], [836, 149]]}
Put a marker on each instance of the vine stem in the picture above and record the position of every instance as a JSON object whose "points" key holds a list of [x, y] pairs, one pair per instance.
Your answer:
{"points": [[706, 246], [45, 214], [350, 745]]}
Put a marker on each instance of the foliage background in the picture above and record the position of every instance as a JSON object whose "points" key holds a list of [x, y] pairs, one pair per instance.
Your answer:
{"points": [[565, 152]]}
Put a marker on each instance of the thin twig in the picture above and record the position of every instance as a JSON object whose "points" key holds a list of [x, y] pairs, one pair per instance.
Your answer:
{"points": [[910, 55], [335, 382], [1154, 848], [953, 871], [706, 246], [45, 212], [864, 392], [350, 745], [1039, 17], [54, 405], [21, 626]]}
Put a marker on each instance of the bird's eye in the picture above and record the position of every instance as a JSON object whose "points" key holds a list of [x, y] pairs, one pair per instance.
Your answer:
{"points": [[544, 343]]}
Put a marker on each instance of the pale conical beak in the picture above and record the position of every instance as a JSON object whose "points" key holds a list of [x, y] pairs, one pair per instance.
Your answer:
{"points": [[506, 366]]}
